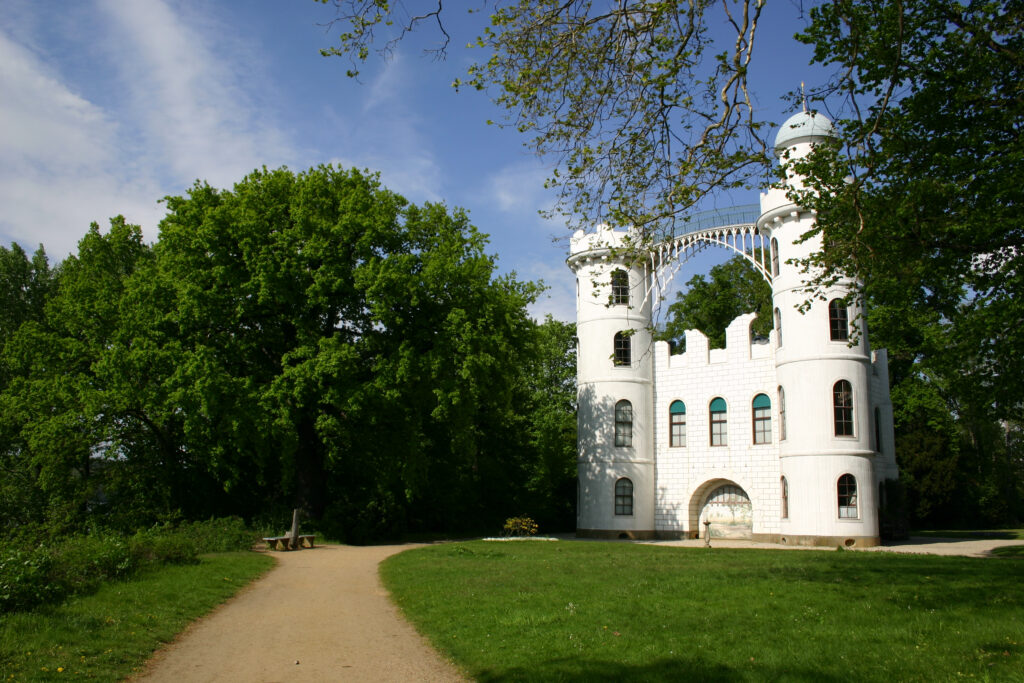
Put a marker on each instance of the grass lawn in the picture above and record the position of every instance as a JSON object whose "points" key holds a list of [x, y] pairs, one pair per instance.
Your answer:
{"points": [[592, 611], [107, 636]]}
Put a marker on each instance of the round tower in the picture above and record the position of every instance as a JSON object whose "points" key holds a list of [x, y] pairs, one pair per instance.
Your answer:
{"points": [[615, 459], [823, 366]]}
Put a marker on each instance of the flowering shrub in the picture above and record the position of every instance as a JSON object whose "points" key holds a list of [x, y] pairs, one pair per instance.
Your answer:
{"points": [[520, 526]]}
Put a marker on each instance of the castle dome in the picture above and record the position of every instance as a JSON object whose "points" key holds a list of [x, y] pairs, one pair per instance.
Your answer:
{"points": [[803, 126]]}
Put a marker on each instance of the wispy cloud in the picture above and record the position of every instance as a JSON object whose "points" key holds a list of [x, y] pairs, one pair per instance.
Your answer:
{"points": [[153, 99], [60, 165]]}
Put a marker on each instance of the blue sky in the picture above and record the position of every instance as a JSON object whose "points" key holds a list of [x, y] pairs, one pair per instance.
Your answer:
{"points": [[108, 105]]}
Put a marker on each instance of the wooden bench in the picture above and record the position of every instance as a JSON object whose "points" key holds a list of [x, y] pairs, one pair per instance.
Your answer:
{"points": [[285, 542]]}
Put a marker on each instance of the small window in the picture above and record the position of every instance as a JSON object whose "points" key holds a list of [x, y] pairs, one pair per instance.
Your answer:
{"points": [[784, 485], [623, 423], [778, 326], [847, 489], [878, 430], [842, 408], [719, 434], [620, 288], [677, 424], [775, 257], [762, 406], [623, 349], [782, 414], [623, 497], [838, 320]]}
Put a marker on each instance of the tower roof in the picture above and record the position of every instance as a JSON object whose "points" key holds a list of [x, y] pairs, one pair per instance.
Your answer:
{"points": [[803, 126]]}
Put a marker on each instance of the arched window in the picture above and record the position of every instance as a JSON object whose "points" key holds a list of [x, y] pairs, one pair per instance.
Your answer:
{"points": [[782, 414], [778, 326], [623, 497], [623, 423], [838, 321], [775, 257], [719, 435], [623, 349], [842, 408], [677, 424], [784, 485], [620, 288], [847, 489], [762, 406]]}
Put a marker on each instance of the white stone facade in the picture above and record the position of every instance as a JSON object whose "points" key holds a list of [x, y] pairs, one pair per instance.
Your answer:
{"points": [[817, 483]]}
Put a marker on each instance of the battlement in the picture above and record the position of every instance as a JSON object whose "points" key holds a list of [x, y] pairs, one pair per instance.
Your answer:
{"points": [[740, 346]]}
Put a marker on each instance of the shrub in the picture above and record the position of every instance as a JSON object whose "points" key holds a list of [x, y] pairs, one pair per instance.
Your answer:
{"points": [[219, 535], [23, 580], [520, 526]]}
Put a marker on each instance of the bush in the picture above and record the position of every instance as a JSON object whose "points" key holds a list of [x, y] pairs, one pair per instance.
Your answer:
{"points": [[520, 526], [219, 535], [78, 564], [23, 580]]}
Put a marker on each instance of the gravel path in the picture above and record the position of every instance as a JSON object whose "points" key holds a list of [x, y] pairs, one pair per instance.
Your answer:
{"points": [[320, 615]]}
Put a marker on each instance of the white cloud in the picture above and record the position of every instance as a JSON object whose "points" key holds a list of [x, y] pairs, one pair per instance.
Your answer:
{"points": [[60, 166], [560, 298], [520, 187], [190, 94], [152, 99]]}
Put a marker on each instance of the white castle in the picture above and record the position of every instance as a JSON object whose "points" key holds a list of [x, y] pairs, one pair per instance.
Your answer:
{"points": [[787, 440]]}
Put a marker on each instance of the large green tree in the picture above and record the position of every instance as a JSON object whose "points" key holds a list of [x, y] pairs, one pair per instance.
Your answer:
{"points": [[709, 305]]}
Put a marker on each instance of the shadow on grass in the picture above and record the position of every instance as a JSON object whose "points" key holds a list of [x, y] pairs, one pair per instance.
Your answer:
{"points": [[659, 670], [1009, 551]]}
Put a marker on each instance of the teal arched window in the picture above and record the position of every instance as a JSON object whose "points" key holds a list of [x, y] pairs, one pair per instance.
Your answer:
{"points": [[719, 422], [677, 424], [762, 419]]}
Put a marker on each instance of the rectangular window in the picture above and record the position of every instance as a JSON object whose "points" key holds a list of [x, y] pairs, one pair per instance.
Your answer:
{"points": [[719, 434]]}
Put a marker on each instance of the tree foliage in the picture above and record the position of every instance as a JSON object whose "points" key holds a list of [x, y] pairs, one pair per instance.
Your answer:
{"points": [[735, 287], [920, 197], [307, 340], [643, 105]]}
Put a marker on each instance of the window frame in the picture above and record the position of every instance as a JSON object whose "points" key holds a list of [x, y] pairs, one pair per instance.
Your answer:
{"points": [[846, 497], [784, 486], [778, 327], [838, 321], [676, 437], [624, 424], [843, 424], [775, 257], [782, 413], [622, 350], [718, 428], [620, 289], [623, 497], [761, 420]]}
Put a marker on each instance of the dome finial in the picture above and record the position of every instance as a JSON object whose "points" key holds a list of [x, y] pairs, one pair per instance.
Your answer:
{"points": [[803, 96]]}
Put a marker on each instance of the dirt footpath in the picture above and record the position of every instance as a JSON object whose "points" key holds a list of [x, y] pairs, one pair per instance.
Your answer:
{"points": [[320, 615]]}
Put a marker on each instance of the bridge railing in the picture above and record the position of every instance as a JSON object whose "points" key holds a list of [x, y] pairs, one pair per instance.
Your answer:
{"points": [[713, 218]]}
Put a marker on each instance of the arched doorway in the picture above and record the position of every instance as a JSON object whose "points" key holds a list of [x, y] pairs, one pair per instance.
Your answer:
{"points": [[728, 509]]}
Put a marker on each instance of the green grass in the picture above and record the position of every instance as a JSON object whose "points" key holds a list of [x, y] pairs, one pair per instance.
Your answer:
{"points": [[971, 533], [107, 635], [610, 612]]}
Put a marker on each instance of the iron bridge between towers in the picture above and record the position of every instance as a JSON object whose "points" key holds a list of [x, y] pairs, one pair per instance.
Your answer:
{"points": [[734, 228]]}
